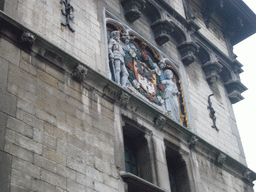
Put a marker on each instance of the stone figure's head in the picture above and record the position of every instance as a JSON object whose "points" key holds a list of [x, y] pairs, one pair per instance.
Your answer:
{"points": [[162, 64], [115, 35], [168, 74], [126, 38]]}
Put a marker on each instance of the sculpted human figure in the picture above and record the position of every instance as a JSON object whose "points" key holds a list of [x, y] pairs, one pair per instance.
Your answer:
{"points": [[171, 95], [116, 55]]}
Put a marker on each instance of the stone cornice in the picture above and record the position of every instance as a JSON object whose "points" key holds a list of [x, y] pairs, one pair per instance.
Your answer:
{"points": [[110, 90]]}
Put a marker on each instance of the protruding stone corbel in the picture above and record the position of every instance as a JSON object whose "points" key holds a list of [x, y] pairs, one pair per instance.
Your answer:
{"points": [[211, 70], [124, 99], [160, 122], [234, 89], [28, 37], [162, 29], [188, 52], [80, 73], [193, 142], [249, 175], [133, 9], [221, 158]]}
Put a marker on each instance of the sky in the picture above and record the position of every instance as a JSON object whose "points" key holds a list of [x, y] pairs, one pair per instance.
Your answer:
{"points": [[244, 110]]}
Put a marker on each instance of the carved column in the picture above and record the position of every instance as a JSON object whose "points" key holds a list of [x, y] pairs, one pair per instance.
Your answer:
{"points": [[188, 52], [133, 9], [161, 29], [161, 165]]}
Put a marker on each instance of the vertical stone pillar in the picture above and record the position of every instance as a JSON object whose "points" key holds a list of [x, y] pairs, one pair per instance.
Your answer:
{"points": [[160, 163], [118, 139], [151, 157]]}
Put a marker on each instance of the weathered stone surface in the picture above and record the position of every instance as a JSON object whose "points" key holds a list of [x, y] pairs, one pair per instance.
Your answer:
{"points": [[7, 104], [23, 141], [5, 171], [45, 163], [3, 120], [18, 152], [54, 179], [26, 167], [3, 73], [9, 52], [21, 179]]}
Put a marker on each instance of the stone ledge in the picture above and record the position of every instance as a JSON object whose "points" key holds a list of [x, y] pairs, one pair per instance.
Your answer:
{"points": [[140, 183]]}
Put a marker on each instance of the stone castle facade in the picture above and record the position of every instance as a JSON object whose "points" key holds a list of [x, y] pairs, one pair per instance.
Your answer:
{"points": [[122, 95]]}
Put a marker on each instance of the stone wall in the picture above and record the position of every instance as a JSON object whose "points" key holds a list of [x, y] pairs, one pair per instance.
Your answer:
{"points": [[226, 138], [55, 134], [214, 179]]}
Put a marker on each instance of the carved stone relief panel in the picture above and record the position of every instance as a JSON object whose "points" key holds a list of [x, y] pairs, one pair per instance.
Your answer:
{"points": [[137, 66]]}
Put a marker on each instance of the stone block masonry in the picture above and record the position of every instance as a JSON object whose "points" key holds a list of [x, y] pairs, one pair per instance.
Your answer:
{"points": [[50, 138]]}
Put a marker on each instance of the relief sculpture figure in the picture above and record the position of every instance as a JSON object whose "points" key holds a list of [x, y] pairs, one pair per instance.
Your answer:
{"points": [[171, 95], [116, 55]]}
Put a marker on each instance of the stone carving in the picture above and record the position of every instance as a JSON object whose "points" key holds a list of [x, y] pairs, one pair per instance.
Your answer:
{"points": [[124, 99], [162, 29], [193, 141], [28, 37], [160, 122], [133, 8], [248, 174], [188, 52], [211, 70], [116, 56], [171, 95], [80, 73], [221, 158]]}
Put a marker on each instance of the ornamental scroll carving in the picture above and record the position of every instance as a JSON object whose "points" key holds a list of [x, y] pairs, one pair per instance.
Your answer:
{"points": [[136, 66]]}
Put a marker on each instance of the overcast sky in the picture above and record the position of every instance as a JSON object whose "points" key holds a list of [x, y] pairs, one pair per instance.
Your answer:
{"points": [[244, 110]]}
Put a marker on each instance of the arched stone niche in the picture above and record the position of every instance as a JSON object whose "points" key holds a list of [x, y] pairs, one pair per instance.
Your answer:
{"points": [[136, 65]]}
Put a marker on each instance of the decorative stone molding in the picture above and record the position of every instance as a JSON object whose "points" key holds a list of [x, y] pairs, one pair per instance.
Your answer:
{"points": [[221, 158], [162, 29], [249, 175], [80, 73], [133, 9], [234, 89], [188, 52], [160, 122], [124, 99], [211, 70], [28, 37], [193, 142]]}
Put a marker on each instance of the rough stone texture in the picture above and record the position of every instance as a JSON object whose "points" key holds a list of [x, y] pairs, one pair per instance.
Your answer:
{"points": [[5, 171], [215, 179]]}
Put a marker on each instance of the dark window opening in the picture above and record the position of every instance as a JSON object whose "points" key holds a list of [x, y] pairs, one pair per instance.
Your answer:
{"points": [[177, 170], [136, 151]]}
